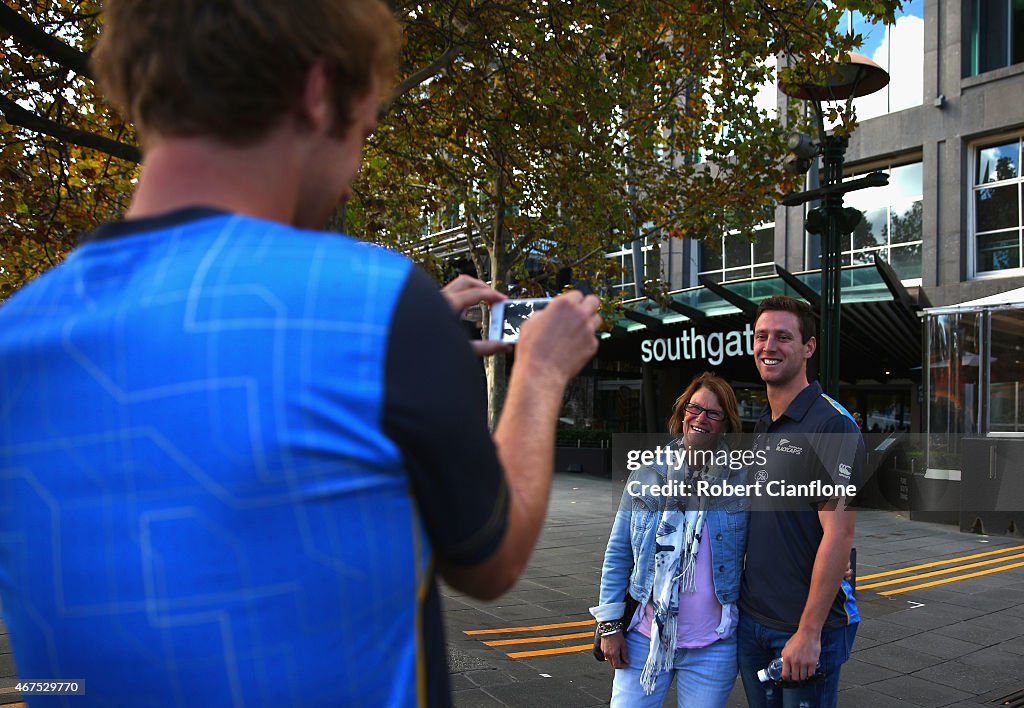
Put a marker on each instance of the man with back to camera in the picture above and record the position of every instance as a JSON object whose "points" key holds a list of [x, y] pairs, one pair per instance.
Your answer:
{"points": [[233, 449], [798, 553]]}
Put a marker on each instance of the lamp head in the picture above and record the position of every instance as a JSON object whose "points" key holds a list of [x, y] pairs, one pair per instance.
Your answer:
{"points": [[857, 76]]}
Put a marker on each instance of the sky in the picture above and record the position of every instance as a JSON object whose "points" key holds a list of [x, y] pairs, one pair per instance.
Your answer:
{"points": [[899, 49]]}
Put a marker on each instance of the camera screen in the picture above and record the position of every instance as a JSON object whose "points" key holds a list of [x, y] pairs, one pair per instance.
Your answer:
{"points": [[516, 313]]}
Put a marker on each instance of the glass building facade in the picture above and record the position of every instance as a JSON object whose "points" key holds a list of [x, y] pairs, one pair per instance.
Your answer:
{"points": [[975, 381]]}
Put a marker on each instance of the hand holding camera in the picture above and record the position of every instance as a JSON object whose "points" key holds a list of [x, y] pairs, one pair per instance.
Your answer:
{"points": [[560, 336]]}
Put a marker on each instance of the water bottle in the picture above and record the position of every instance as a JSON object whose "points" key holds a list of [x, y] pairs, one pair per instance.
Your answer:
{"points": [[773, 672]]}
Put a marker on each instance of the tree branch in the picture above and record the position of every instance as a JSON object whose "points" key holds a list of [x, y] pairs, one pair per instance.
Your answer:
{"points": [[16, 115], [50, 47], [417, 78]]}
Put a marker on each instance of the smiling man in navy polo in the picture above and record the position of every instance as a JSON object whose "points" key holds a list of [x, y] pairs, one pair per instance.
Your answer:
{"points": [[794, 601]]}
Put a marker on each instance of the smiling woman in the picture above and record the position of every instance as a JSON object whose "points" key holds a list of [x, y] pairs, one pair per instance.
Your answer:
{"points": [[659, 560]]}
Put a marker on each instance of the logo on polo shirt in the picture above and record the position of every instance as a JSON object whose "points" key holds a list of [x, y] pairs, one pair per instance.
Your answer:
{"points": [[844, 471], [762, 476], [784, 446]]}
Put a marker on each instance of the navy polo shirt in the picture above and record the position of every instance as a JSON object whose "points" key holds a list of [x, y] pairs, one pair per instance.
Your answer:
{"points": [[815, 439]]}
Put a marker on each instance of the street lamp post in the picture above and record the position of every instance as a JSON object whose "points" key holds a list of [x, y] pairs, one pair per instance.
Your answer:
{"points": [[858, 76]]}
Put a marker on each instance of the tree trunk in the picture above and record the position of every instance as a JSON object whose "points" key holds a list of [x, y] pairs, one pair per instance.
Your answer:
{"points": [[497, 387], [495, 367]]}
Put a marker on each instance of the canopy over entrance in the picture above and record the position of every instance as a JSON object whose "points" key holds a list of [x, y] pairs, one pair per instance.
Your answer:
{"points": [[880, 332]]}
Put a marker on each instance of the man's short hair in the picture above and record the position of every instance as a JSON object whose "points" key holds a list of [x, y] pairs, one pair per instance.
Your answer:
{"points": [[231, 69], [784, 303]]}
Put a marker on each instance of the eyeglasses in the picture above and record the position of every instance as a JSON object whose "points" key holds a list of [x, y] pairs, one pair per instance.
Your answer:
{"points": [[711, 413]]}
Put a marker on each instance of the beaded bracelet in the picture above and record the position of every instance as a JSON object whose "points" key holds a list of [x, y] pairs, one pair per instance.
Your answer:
{"points": [[605, 629]]}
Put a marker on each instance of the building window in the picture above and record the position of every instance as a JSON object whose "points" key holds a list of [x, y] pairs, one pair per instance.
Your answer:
{"points": [[997, 39], [623, 278], [996, 207], [735, 257], [891, 227], [899, 49]]}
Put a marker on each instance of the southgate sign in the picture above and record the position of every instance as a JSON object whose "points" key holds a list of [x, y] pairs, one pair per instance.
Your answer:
{"points": [[713, 347]]}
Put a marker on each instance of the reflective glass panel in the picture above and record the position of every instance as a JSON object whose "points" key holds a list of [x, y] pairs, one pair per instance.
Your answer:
{"points": [[996, 208], [705, 300], [999, 251], [890, 215], [899, 49], [872, 229], [737, 251], [764, 245], [863, 257], [906, 56], [990, 39], [710, 258], [998, 162], [952, 386], [906, 261], [859, 284], [1006, 371], [737, 274], [906, 223], [905, 183], [876, 48], [757, 290]]}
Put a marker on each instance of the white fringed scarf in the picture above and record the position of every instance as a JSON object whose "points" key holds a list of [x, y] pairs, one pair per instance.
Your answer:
{"points": [[675, 564]]}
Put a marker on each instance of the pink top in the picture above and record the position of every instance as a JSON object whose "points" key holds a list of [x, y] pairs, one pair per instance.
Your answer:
{"points": [[700, 613]]}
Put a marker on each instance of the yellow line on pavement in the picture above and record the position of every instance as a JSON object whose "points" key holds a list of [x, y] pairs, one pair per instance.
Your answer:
{"points": [[548, 652], [944, 571], [582, 623], [534, 640], [935, 563], [952, 580]]}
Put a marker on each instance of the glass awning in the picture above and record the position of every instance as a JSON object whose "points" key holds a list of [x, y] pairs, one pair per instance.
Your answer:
{"points": [[859, 284]]}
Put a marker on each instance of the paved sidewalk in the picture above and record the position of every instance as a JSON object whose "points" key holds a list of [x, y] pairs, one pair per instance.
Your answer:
{"points": [[956, 644], [953, 644]]}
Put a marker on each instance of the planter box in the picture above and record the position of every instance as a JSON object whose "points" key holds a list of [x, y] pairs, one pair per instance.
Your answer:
{"points": [[584, 460]]}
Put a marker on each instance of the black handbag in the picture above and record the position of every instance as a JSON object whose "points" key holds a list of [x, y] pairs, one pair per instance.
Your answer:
{"points": [[627, 616]]}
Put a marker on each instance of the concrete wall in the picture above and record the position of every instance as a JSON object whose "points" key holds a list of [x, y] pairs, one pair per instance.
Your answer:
{"points": [[956, 111]]}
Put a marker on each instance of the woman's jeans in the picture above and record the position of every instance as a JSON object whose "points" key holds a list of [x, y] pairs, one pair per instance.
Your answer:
{"points": [[759, 644], [704, 677]]}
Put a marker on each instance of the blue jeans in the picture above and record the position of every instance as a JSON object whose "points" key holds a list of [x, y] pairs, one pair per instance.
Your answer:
{"points": [[759, 644], [704, 677]]}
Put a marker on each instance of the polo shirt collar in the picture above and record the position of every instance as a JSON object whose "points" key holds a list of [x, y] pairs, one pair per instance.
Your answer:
{"points": [[799, 406]]}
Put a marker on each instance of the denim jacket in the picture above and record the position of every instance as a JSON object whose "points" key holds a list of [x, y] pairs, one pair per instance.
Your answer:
{"points": [[629, 558]]}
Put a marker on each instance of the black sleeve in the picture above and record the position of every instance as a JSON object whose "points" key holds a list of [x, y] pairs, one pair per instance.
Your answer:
{"points": [[435, 410], [840, 447]]}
